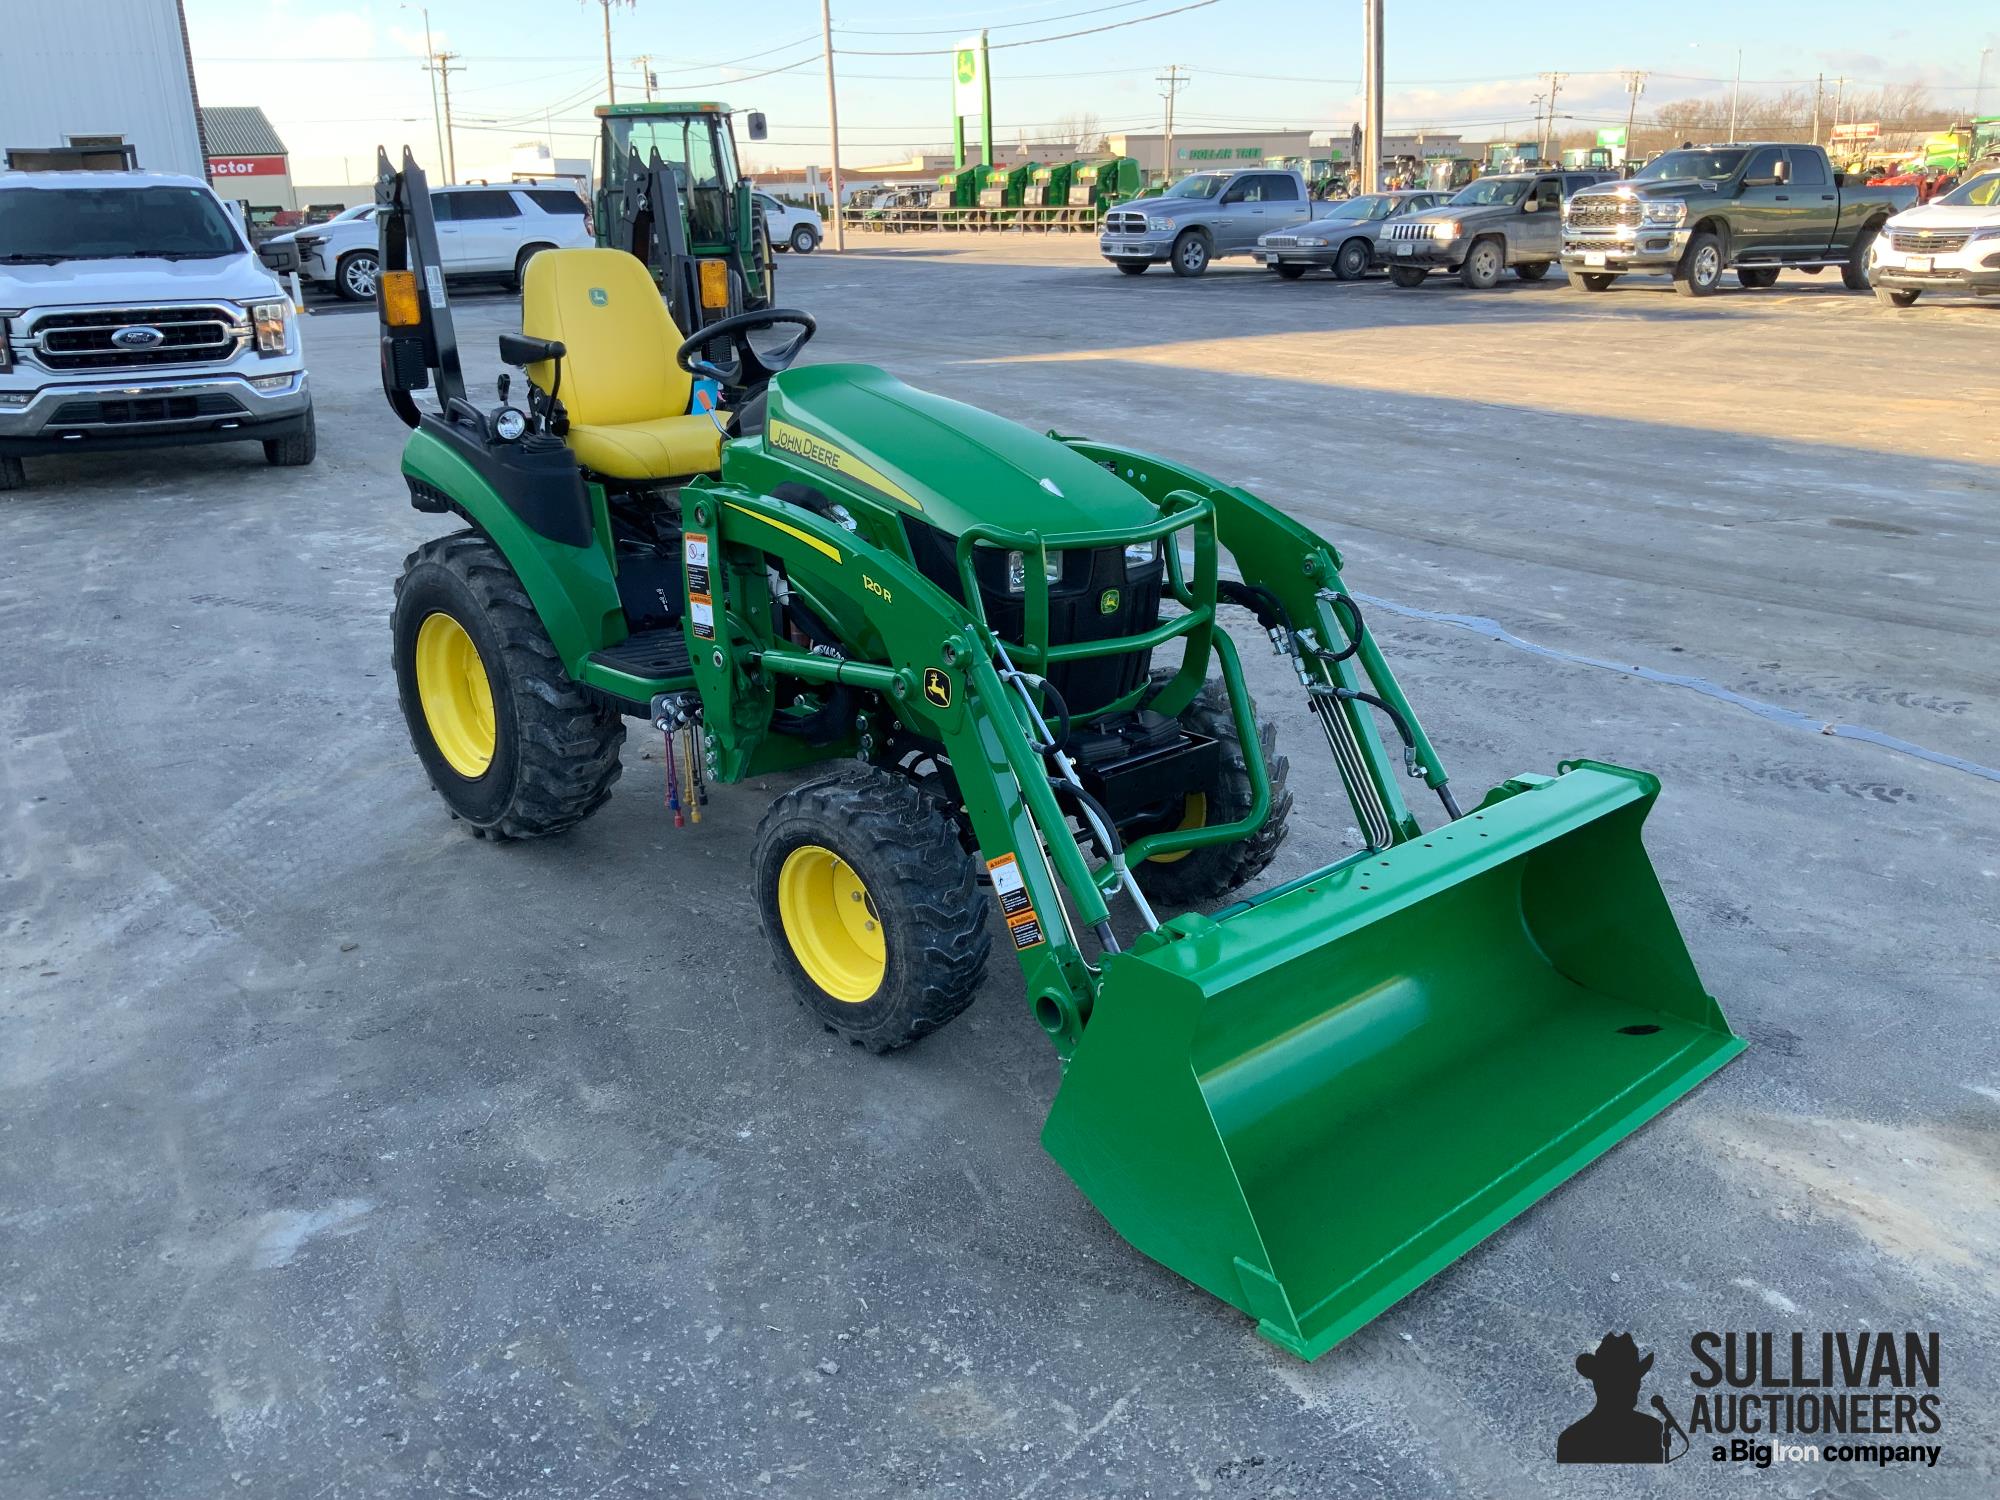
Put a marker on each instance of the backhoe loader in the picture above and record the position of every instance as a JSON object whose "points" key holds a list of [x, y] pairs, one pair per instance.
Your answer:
{"points": [[1000, 669]]}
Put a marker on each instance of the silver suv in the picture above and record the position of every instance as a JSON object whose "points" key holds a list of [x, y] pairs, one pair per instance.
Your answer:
{"points": [[1511, 219]]}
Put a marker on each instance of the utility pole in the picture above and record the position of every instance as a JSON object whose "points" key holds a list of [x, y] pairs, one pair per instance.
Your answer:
{"points": [[1735, 93], [441, 70], [1635, 85], [1839, 89], [1175, 80], [437, 119], [1555, 88], [610, 79], [832, 119], [1979, 89], [1819, 92], [644, 63], [1371, 95], [1541, 133]]}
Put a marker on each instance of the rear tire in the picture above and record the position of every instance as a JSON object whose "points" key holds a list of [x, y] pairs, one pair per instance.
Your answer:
{"points": [[1888, 296], [550, 749], [1199, 875], [1289, 273], [1483, 264], [296, 451], [354, 276], [1757, 278], [871, 906], [1592, 281], [1854, 275], [1408, 276], [13, 474], [1132, 267], [1351, 264], [1190, 253], [1532, 270], [520, 280], [1700, 270]]}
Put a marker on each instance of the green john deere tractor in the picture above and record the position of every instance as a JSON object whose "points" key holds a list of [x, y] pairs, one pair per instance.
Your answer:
{"points": [[998, 664], [669, 191]]}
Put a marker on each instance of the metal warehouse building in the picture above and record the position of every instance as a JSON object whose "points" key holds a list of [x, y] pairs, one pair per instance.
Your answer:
{"points": [[98, 83]]}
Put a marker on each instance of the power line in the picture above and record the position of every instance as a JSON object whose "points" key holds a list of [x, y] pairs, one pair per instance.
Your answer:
{"points": [[1036, 41]]}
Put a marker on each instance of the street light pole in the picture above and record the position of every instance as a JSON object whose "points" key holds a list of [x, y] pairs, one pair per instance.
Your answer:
{"points": [[1371, 95], [1979, 89], [437, 119], [1735, 93]]}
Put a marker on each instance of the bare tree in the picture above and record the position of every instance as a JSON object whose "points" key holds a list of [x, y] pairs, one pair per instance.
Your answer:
{"points": [[1082, 129]]}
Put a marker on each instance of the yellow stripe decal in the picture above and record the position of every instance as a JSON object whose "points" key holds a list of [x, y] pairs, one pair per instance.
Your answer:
{"points": [[789, 439], [793, 531]]}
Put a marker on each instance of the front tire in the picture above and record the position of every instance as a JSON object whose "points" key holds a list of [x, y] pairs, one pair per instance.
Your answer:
{"points": [[354, 276], [296, 451], [514, 746], [1192, 876], [1483, 264], [1888, 296], [1351, 264], [1191, 253], [804, 241], [1700, 270], [871, 906], [1408, 276]]}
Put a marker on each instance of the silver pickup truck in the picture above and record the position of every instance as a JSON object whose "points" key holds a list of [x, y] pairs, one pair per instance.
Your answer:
{"points": [[1204, 215]]}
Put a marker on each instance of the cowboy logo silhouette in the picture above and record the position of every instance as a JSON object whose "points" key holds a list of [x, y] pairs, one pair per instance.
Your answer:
{"points": [[1614, 1431]]}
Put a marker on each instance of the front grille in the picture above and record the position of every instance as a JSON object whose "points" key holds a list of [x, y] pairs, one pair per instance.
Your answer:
{"points": [[1603, 212], [188, 335], [124, 410], [1125, 223], [1929, 241], [1417, 231], [1281, 239]]}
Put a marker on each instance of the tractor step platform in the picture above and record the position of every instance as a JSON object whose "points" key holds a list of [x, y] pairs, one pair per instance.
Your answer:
{"points": [[653, 655]]}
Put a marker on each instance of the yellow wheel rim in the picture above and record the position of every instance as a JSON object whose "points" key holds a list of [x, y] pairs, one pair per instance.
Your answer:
{"points": [[831, 924], [1194, 814], [457, 699]]}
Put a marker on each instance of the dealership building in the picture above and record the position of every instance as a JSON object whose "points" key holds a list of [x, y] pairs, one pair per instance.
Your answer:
{"points": [[96, 84]]}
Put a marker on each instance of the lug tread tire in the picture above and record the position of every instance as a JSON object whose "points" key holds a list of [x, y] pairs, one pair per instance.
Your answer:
{"points": [[1208, 873], [566, 744], [905, 846]]}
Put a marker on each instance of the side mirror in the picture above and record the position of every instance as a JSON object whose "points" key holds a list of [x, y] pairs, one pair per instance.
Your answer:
{"points": [[1782, 175], [1532, 206], [755, 126]]}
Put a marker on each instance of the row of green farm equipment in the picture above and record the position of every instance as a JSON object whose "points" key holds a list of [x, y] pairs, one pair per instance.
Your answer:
{"points": [[1062, 195]]}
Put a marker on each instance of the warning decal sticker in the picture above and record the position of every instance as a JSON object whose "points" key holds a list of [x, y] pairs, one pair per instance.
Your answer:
{"points": [[1022, 923], [701, 608]]}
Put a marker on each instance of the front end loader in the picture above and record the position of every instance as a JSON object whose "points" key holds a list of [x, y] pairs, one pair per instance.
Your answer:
{"points": [[1000, 671]]}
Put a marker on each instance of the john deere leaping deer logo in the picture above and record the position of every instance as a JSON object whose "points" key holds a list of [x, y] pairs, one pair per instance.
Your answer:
{"points": [[968, 65], [937, 687]]}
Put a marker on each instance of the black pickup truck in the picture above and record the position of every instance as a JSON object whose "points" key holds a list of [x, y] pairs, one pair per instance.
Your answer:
{"points": [[1699, 211]]}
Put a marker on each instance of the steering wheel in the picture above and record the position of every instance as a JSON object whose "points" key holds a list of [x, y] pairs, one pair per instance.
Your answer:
{"points": [[746, 368]]}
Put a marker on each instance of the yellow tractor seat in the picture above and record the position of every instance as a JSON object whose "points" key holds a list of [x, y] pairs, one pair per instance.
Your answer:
{"points": [[626, 398]]}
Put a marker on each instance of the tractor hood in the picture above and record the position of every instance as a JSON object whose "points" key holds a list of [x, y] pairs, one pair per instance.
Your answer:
{"points": [[954, 465]]}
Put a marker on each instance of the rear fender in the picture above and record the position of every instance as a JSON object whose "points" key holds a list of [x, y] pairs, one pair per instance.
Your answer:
{"points": [[572, 588]]}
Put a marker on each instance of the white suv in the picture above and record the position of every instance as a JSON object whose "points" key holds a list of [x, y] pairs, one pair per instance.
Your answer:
{"points": [[790, 228], [134, 315], [483, 230], [1951, 244]]}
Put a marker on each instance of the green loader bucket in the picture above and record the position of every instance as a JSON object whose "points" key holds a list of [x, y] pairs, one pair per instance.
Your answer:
{"points": [[1312, 1102]]}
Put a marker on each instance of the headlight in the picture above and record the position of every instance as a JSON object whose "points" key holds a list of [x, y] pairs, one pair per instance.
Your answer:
{"points": [[1017, 570], [1984, 232], [1144, 554], [6, 351], [1160, 226], [1311, 239], [510, 424], [270, 320], [1444, 229], [1663, 212]]}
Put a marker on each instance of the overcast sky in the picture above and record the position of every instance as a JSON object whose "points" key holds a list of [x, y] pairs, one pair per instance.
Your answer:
{"points": [[336, 81]]}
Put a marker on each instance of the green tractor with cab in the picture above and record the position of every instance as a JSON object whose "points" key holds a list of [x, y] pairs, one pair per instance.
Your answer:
{"points": [[996, 674]]}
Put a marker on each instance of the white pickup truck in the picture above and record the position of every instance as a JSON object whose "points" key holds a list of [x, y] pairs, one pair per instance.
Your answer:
{"points": [[133, 314]]}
